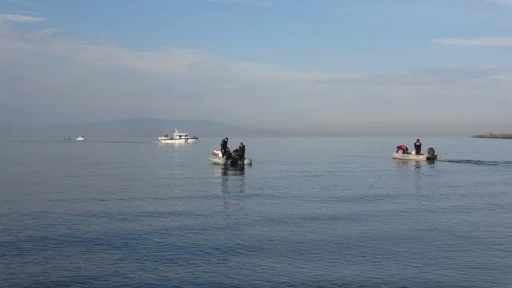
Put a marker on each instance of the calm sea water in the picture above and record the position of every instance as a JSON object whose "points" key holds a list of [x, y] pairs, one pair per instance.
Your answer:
{"points": [[318, 212]]}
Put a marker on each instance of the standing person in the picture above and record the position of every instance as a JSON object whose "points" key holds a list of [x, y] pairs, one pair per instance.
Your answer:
{"points": [[241, 148], [224, 146], [417, 147]]}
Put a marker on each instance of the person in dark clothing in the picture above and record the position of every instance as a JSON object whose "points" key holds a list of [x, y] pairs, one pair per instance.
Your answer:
{"points": [[224, 146], [241, 149], [235, 156], [417, 147], [405, 149]]}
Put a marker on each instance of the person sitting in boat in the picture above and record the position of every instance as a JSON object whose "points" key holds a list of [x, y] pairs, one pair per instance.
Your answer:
{"points": [[417, 147], [405, 149], [241, 149], [224, 146]]}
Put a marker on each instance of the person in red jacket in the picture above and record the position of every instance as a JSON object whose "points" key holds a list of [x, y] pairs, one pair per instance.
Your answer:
{"points": [[405, 149]]}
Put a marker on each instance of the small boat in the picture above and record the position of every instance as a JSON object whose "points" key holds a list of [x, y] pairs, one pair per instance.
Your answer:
{"points": [[65, 138], [231, 158], [80, 138], [430, 156], [177, 137]]}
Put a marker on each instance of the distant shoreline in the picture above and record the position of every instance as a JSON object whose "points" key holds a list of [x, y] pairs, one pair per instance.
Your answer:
{"points": [[494, 136]]}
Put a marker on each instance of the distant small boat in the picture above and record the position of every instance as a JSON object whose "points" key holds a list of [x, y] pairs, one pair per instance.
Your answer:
{"points": [[177, 137], [80, 138], [65, 138]]}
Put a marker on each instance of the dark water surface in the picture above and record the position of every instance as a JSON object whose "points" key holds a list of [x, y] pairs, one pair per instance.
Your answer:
{"points": [[317, 212]]}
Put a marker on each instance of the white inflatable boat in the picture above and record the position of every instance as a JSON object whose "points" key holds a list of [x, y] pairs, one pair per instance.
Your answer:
{"points": [[430, 156], [216, 157]]}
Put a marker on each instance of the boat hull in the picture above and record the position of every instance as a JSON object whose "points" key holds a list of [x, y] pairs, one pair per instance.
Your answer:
{"points": [[175, 141], [421, 157]]}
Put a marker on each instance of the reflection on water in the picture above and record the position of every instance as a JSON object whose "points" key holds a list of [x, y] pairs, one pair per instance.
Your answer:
{"points": [[179, 150], [232, 182], [180, 146], [403, 163], [232, 179], [415, 164], [417, 181], [176, 154]]}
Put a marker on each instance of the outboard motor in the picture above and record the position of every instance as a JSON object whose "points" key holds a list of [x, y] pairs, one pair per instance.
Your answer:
{"points": [[431, 152]]}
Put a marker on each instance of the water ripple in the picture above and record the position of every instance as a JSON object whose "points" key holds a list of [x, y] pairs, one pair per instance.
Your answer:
{"points": [[106, 215]]}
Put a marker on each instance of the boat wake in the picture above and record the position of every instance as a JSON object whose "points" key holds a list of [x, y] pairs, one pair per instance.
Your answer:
{"points": [[479, 162]]}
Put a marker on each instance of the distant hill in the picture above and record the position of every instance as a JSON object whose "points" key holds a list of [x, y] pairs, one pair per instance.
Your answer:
{"points": [[149, 127], [494, 136]]}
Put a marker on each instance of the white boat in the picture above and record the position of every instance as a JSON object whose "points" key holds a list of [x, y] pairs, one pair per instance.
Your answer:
{"points": [[216, 157], [430, 156], [177, 137], [80, 138]]}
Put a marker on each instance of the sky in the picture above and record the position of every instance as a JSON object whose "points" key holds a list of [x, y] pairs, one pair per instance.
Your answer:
{"points": [[337, 66]]}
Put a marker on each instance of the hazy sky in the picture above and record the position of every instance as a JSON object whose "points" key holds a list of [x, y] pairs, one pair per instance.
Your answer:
{"points": [[335, 65]]}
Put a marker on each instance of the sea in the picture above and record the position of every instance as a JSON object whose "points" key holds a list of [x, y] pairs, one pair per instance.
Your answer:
{"points": [[308, 212]]}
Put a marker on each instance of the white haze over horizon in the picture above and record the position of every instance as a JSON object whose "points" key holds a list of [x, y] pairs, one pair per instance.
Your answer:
{"points": [[46, 78]]}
